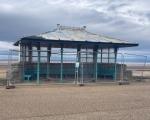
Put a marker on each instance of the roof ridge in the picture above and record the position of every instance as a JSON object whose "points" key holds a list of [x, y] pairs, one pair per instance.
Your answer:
{"points": [[71, 28]]}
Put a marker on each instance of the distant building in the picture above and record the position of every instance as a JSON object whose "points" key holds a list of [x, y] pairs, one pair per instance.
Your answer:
{"points": [[51, 56]]}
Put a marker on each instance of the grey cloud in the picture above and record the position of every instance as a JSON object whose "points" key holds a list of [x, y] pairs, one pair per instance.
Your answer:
{"points": [[112, 18]]}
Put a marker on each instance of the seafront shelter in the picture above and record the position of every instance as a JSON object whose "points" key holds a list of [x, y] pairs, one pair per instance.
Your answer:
{"points": [[69, 54]]}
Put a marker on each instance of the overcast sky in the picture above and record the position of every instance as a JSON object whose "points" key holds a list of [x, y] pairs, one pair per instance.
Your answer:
{"points": [[124, 19]]}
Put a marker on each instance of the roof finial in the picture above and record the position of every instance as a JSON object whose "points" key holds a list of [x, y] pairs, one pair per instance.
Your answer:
{"points": [[84, 27], [58, 26]]}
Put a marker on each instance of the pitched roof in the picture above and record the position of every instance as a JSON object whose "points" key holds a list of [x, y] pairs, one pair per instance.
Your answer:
{"points": [[78, 34]]}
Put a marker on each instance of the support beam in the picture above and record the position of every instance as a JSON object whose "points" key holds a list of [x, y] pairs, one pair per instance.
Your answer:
{"points": [[30, 52], [48, 60], [95, 50], [86, 54], [38, 64], [79, 60], [25, 55], [19, 55], [21, 52], [79, 53], [101, 55], [108, 55], [61, 66], [115, 70], [22, 61]]}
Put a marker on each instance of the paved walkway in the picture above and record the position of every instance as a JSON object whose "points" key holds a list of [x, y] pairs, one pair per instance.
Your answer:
{"points": [[128, 102]]}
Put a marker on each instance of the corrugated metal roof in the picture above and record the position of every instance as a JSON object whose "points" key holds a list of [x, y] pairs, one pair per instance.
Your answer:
{"points": [[77, 34]]}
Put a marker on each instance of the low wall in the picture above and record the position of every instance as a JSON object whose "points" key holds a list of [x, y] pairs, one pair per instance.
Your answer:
{"points": [[54, 70]]}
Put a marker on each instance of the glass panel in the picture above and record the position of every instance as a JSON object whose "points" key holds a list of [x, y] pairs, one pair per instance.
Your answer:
{"points": [[111, 60], [104, 60], [104, 55], [105, 51], [34, 52], [111, 50], [34, 59], [27, 58], [43, 59], [99, 56], [69, 55], [111, 53], [83, 55], [43, 51], [87, 55], [55, 55]]}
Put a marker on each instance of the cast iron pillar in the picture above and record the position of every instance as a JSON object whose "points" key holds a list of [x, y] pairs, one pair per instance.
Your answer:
{"points": [[86, 54], [30, 52], [79, 53], [48, 61], [61, 66], [108, 55], [101, 56], [79, 61], [95, 50], [38, 64], [115, 71], [21, 60], [19, 55]]}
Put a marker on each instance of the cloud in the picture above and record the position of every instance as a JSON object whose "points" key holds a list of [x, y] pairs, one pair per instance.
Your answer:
{"points": [[127, 20], [7, 45], [5, 7]]}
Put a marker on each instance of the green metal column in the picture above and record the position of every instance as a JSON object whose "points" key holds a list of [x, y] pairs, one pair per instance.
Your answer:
{"points": [[29, 58], [101, 55], [86, 54], [19, 54], [115, 70], [79, 60], [38, 65], [95, 50], [79, 53], [21, 61], [24, 59], [30, 52], [108, 55], [61, 66], [25, 53], [48, 60]]}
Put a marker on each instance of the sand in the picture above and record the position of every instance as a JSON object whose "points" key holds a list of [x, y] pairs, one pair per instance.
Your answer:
{"points": [[103, 102]]}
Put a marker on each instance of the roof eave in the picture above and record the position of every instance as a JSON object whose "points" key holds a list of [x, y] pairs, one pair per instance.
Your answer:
{"points": [[40, 39], [128, 45], [16, 43]]}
